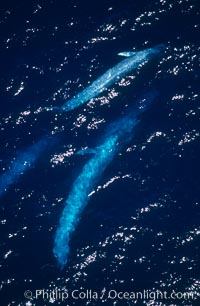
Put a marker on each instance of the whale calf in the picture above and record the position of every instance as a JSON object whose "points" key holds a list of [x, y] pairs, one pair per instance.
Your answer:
{"points": [[112, 75], [117, 135]]}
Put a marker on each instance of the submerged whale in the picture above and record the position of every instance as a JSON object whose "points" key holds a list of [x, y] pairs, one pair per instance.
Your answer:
{"points": [[117, 135], [112, 75], [27, 158], [23, 162]]}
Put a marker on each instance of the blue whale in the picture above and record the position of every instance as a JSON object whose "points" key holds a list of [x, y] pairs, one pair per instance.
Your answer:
{"points": [[23, 162], [112, 75], [117, 135]]}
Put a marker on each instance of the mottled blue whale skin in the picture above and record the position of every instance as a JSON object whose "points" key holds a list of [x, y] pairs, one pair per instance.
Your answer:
{"points": [[23, 162], [133, 60], [117, 135]]}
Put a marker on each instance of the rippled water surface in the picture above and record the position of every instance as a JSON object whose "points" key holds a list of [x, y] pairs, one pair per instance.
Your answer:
{"points": [[140, 229]]}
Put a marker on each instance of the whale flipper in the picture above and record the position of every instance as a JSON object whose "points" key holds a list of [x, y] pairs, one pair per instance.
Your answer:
{"points": [[87, 151]]}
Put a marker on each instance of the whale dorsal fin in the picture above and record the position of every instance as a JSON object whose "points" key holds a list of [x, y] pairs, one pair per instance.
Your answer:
{"points": [[127, 53]]}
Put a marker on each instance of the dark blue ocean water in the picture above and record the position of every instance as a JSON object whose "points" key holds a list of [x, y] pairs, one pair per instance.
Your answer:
{"points": [[140, 229]]}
